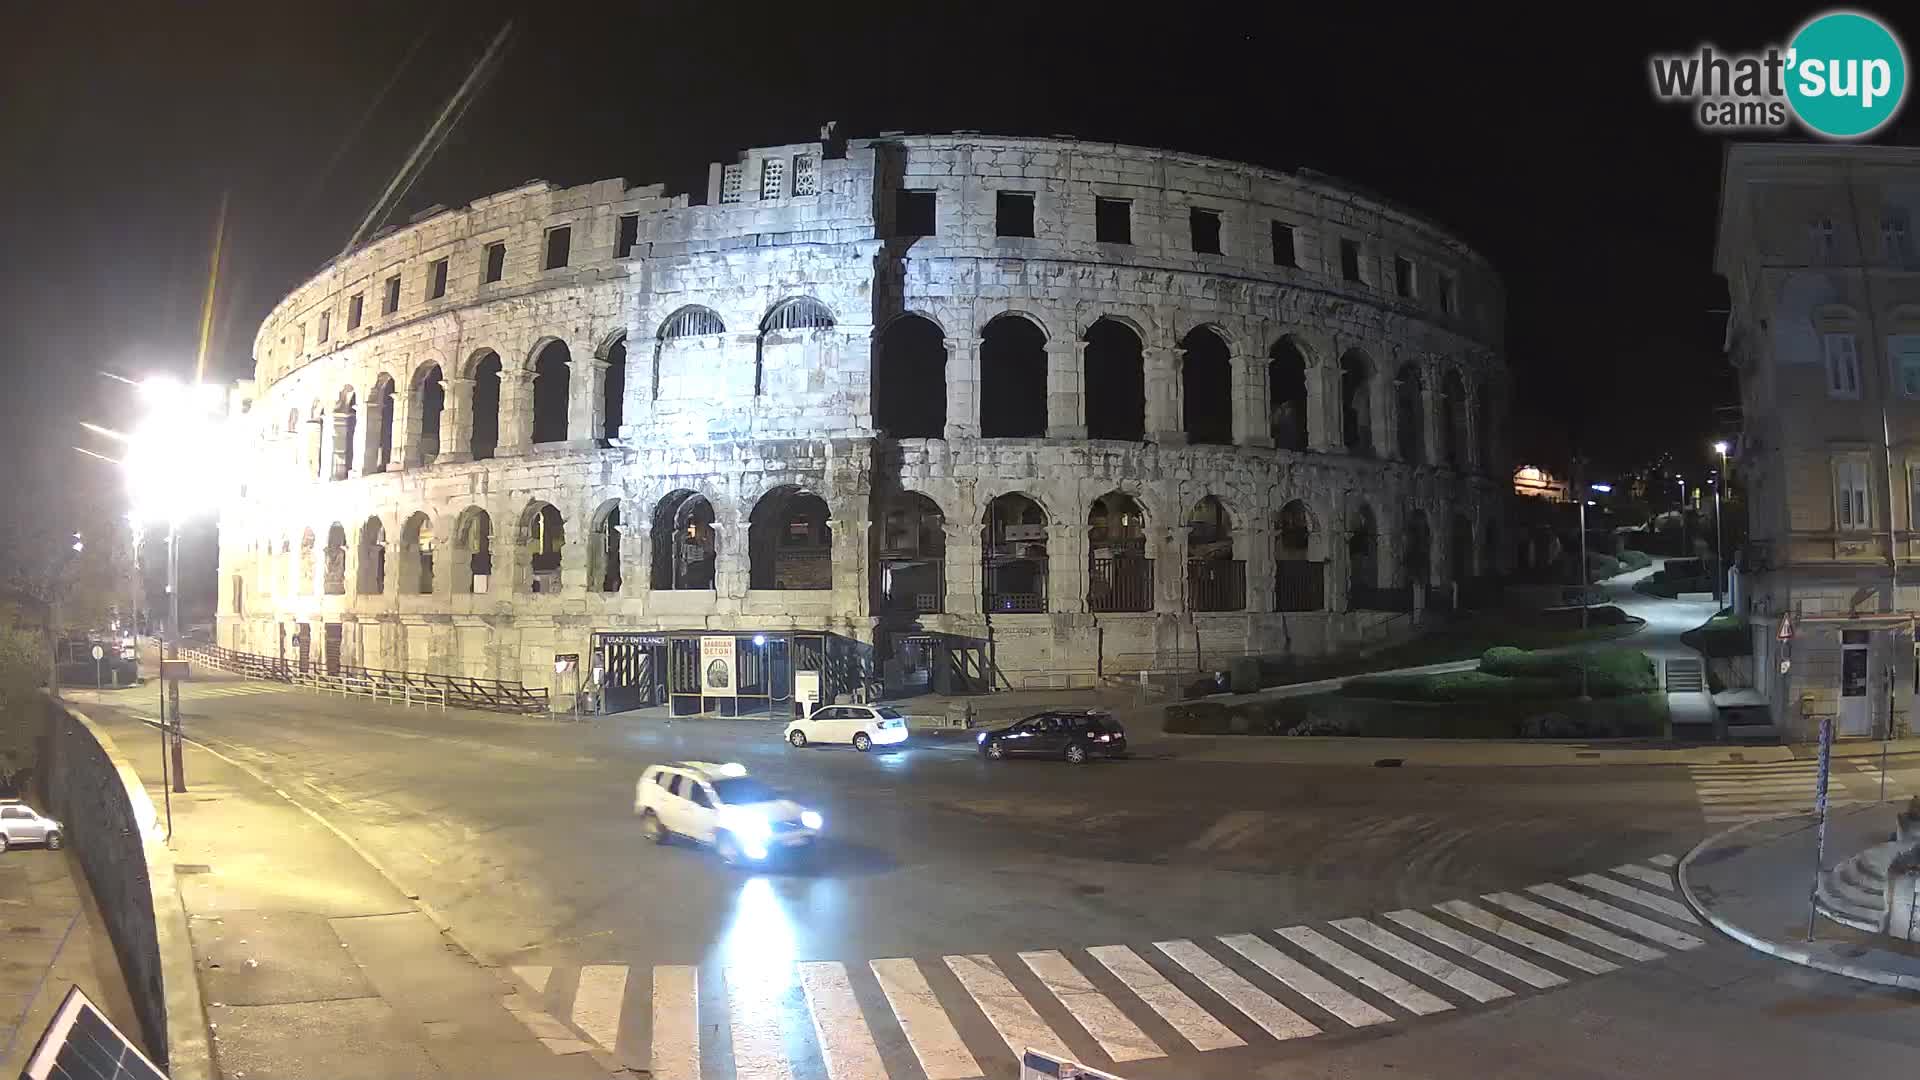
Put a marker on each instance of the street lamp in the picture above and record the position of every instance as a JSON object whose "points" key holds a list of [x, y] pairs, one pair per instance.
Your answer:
{"points": [[1719, 552]]}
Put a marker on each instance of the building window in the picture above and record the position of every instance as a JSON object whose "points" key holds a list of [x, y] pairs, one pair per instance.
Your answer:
{"points": [[559, 247], [1204, 225], [355, 305], [1113, 221], [773, 177], [1349, 260], [1284, 252], [1013, 213], [806, 175], [1913, 495], [913, 213], [1444, 286], [325, 330], [1843, 365], [496, 262], [1820, 234], [1402, 276], [1850, 494], [1896, 235], [437, 279], [629, 235], [392, 302], [300, 339], [1904, 349], [730, 180]]}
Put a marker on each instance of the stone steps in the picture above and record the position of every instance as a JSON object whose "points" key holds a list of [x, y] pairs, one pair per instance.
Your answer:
{"points": [[1854, 892]]}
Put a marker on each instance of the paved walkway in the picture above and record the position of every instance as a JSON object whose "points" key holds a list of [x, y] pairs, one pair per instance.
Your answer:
{"points": [[51, 939], [1660, 639]]}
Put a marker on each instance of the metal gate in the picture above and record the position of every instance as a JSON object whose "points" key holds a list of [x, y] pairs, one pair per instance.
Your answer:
{"points": [[336, 638], [635, 670]]}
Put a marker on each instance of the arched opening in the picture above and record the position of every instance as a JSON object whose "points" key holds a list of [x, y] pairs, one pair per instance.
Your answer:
{"points": [[336, 573], [911, 569], [472, 551], [429, 402], [613, 396], [692, 321], [550, 370], [1206, 388], [910, 380], [306, 564], [486, 406], [416, 556], [289, 568], [1363, 560], [371, 578], [1216, 581], [1410, 414], [1014, 556], [543, 536], [319, 429], [683, 542], [789, 541], [380, 417], [1300, 575], [1356, 402], [603, 557], [1119, 573], [1013, 379], [1416, 560], [1116, 382], [787, 351], [1453, 421], [1460, 548], [1287, 396], [346, 422]]}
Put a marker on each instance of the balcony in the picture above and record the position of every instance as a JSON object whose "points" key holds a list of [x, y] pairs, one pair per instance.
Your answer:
{"points": [[1014, 586], [1122, 583], [1216, 584], [912, 586]]}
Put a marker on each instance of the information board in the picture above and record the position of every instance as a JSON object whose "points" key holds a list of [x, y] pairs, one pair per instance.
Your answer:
{"points": [[716, 666]]}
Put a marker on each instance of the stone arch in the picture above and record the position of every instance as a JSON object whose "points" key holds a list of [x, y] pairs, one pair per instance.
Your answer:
{"points": [[1356, 402], [605, 567], [416, 555], [542, 535], [335, 582], [685, 323], [306, 564], [1013, 377], [427, 401], [472, 550], [1287, 399], [910, 572], [1014, 554], [790, 540], [613, 387], [1216, 580], [1299, 559], [371, 576], [1363, 556], [1206, 386], [787, 347], [1116, 381], [552, 385], [910, 379], [1119, 570], [1453, 432], [484, 368], [379, 451], [1416, 553], [1410, 414], [685, 545]]}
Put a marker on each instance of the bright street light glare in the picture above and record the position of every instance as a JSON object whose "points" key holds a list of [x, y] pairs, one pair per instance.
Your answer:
{"points": [[177, 452], [1720, 448], [1602, 488]]}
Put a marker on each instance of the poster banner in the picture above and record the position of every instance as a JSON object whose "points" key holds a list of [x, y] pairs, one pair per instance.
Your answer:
{"points": [[716, 666]]}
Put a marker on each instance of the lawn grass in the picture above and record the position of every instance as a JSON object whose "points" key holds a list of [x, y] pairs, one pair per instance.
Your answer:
{"points": [[1724, 635], [1462, 639], [1508, 674], [1642, 716]]}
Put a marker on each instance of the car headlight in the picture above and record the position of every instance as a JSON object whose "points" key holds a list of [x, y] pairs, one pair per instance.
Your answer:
{"points": [[811, 819], [980, 738], [748, 826]]}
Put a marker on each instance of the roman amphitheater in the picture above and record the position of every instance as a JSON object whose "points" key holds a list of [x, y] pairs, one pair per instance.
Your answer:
{"points": [[948, 412]]}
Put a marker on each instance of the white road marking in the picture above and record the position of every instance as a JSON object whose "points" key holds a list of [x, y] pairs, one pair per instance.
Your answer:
{"points": [[1120, 1037], [846, 1043], [1641, 873], [1305, 981], [1662, 860], [1625, 920], [598, 1000], [755, 1011], [1278, 1020], [536, 977], [1567, 924], [1467, 945], [1477, 987], [676, 1023], [1504, 928], [1004, 1007], [1366, 972], [942, 1055], [1193, 1023], [1229, 831], [1672, 909]]}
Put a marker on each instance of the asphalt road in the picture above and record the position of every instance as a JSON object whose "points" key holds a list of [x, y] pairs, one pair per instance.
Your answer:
{"points": [[521, 833]]}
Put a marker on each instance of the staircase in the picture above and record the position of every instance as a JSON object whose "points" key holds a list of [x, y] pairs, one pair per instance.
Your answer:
{"points": [[1686, 677], [1855, 892]]}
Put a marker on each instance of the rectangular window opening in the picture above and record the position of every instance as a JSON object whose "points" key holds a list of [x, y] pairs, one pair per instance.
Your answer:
{"points": [[559, 247], [1905, 351], [1843, 365], [326, 326], [1402, 276], [392, 302], [355, 307], [1113, 221], [1205, 227], [629, 235], [1013, 213], [496, 262], [1447, 301], [437, 280], [1851, 505], [1284, 252], [913, 213], [1349, 260]]}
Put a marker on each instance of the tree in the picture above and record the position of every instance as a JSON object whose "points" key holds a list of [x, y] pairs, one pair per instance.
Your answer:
{"points": [[23, 665]]}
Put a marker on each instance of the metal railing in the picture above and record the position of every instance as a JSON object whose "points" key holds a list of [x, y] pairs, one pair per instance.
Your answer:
{"points": [[1374, 598], [1299, 585], [407, 687], [1216, 584], [1122, 583]]}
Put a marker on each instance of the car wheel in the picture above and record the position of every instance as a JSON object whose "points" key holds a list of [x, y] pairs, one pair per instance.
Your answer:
{"points": [[3, 842], [651, 828], [55, 841], [996, 751], [728, 848], [1077, 754], [861, 742], [796, 738]]}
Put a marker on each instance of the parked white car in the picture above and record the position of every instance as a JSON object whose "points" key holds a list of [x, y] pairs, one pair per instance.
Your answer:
{"points": [[865, 726], [721, 806], [21, 824]]}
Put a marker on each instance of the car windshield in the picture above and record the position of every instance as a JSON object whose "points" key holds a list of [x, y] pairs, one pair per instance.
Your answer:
{"points": [[740, 789], [888, 714]]}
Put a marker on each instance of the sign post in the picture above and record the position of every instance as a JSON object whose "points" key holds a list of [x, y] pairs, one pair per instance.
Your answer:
{"points": [[1820, 809], [563, 663], [98, 654]]}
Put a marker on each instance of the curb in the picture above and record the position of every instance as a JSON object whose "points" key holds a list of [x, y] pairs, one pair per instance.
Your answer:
{"points": [[1791, 953]]}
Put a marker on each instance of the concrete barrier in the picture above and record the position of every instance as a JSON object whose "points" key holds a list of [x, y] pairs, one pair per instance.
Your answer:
{"points": [[113, 830]]}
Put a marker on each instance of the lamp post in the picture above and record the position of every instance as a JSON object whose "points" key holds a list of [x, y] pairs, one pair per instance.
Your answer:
{"points": [[1719, 535]]}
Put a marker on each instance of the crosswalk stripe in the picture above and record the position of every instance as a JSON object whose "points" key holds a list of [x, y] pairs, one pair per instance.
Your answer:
{"points": [[1305, 981], [676, 1022], [1567, 924], [1004, 1006], [1641, 873], [1502, 927], [1120, 1037], [942, 1055], [1276, 1019], [846, 1043], [1467, 945], [1193, 1023], [1625, 920], [755, 1011], [1366, 972], [1474, 986], [597, 1002], [1670, 908], [1662, 860], [535, 976], [1745, 787]]}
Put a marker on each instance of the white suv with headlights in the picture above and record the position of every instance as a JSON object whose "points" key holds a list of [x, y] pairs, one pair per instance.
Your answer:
{"points": [[865, 726], [721, 806], [21, 824]]}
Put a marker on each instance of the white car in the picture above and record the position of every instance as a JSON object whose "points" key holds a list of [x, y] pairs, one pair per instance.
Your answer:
{"points": [[721, 806], [21, 824], [865, 726]]}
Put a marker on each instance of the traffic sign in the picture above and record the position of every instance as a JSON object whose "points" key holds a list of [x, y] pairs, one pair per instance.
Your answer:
{"points": [[1785, 633], [99, 653]]}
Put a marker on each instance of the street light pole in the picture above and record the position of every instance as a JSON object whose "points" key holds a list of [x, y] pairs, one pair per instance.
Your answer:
{"points": [[1719, 535], [173, 653], [1580, 496]]}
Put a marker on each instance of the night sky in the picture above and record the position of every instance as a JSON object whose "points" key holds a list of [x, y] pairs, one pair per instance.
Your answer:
{"points": [[120, 126]]}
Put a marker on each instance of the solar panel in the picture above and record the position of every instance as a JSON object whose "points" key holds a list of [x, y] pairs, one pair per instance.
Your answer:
{"points": [[82, 1044]]}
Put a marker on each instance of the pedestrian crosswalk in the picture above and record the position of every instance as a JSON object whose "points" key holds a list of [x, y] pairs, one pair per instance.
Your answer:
{"points": [[968, 1015], [1734, 792]]}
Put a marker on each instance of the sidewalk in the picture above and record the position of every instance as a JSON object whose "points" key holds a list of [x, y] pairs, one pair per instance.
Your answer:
{"points": [[51, 938], [1753, 882], [311, 962]]}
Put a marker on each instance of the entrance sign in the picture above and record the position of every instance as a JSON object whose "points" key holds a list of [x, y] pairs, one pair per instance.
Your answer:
{"points": [[806, 691], [716, 666]]}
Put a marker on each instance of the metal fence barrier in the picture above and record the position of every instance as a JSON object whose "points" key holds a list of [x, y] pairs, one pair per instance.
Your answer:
{"points": [[406, 687]]}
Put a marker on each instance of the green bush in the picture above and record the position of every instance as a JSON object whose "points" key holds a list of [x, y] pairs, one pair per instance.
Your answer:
{"points": [[23, 668], [1451, 686], [1635, 560], [1600, 567], [1610, 672]]}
